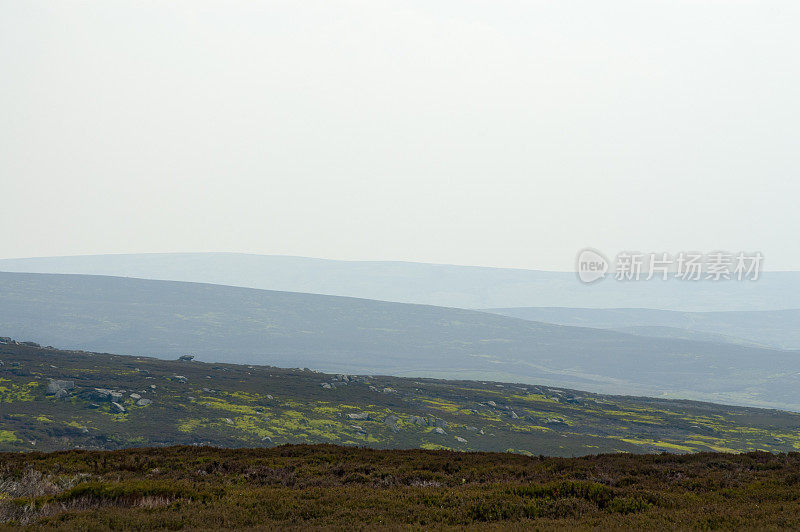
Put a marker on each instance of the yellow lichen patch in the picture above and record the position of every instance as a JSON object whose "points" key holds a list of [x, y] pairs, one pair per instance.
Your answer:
{"points": [[535, 397], [538, 427], [294, 424], [326, 409], [445, 406], [189, 425], [17, 392], [7, 436], [247, 397], [323, 428], [251, 424], [219, 404], [520, 451], [74, 424], [351, 407], [713, 447], [658, 444], [434, 447], [632, 416], [488, 416]]}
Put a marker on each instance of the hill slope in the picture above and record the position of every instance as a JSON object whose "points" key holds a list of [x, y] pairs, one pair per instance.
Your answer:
{"points": [[778, 328], [431, 284], [63, 400], [220, 323]]}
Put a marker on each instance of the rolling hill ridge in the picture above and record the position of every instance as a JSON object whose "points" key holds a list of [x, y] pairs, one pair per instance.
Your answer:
{"points": [[338, 334], [431, 284]]}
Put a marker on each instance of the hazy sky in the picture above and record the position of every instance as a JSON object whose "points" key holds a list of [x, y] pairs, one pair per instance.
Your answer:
{"points": [[491, 132]]}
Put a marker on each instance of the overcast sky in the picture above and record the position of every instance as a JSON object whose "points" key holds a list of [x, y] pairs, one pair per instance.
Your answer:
{"points": [[495, 132]]}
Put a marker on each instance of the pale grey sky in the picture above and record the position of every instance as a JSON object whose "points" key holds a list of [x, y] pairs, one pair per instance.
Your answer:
{"points": [[499, 133]]}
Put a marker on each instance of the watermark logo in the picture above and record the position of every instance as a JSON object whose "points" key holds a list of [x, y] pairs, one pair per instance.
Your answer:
{"points": [[591, 265]]}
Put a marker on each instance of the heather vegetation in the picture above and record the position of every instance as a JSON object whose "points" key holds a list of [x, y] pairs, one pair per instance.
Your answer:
{"points": [[308, 486]]}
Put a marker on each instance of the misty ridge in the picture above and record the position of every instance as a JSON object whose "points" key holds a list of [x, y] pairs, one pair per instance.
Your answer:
{"points": [[444, 285]]}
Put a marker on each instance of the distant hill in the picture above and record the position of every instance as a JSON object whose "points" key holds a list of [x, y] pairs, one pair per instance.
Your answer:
{"points": [[779, 329], [430, 284], [56, 399], [228, 324], [685, 334]]}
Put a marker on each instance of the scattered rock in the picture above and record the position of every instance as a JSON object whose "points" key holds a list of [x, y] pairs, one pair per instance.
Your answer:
{"points": [[143, 402], [417, 420], [186, 358], [460, 439], [472, 429], [55, 385], [359, 416], [439, 430], [103, 394], [326, 385], [136, 396], [62, 394], [118, 407], [391, 422], [180, 378], [491, 403]]}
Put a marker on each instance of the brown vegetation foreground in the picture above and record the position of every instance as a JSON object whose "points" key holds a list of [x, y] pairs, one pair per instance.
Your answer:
{"points": [[307, 486]]}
